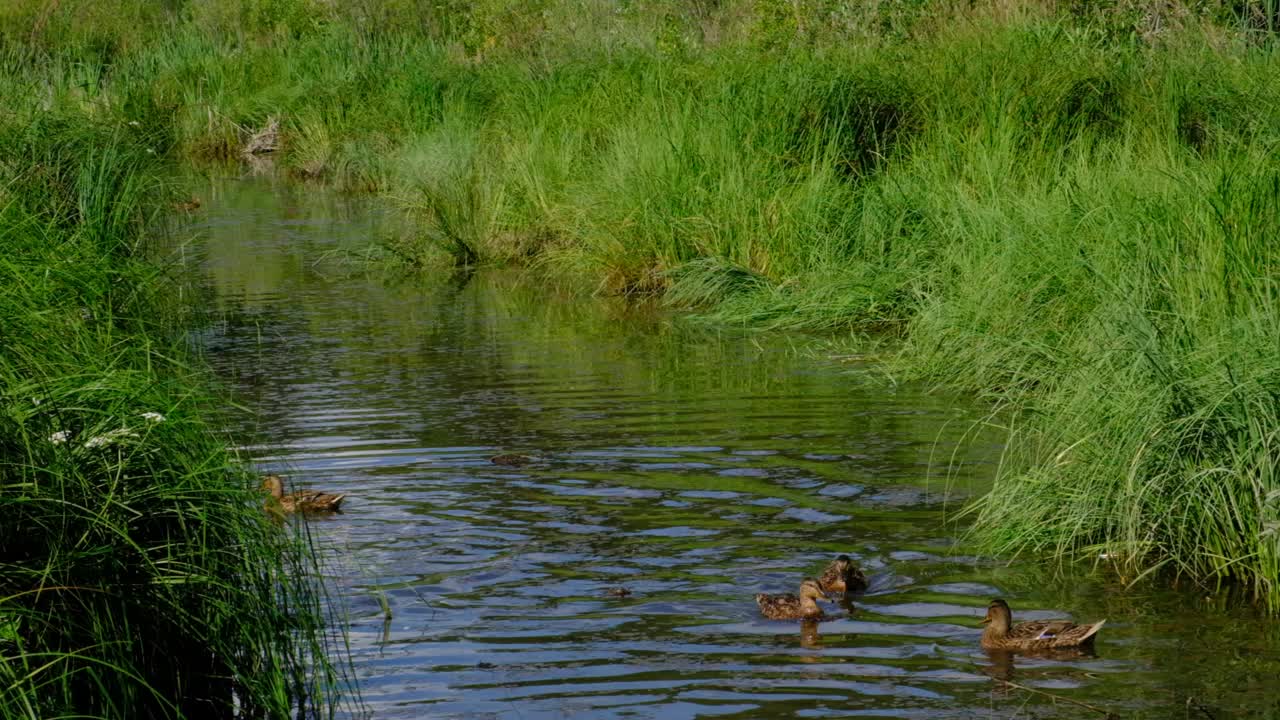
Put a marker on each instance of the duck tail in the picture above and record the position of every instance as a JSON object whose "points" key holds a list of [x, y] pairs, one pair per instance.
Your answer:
{"points": [[1093, 630]]}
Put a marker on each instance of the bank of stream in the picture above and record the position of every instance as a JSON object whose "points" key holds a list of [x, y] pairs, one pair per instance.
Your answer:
{"points": [[693, 466]]}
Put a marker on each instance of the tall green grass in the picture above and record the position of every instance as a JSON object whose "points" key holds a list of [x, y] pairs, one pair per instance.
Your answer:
{"points": [[139, 575], [1064, 206]]}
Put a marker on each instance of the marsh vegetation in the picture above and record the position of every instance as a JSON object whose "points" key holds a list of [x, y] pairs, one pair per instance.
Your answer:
{"points": [[139, 576], [1068, 208]]}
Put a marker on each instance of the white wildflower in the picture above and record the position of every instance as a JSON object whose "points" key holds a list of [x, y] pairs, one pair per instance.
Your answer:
{"points": [[60, 437], [133, 123], [154, 417], [36, 401], [109, 437]]}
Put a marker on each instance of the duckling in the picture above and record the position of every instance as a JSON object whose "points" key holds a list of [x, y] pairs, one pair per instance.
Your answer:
{"points": [[791, 607], [190, 205], [1002, 634], [618, 592], [843, 576], [304, 501]]}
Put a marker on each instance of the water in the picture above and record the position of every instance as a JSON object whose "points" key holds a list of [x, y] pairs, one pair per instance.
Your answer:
{"points": [[693, 467]]}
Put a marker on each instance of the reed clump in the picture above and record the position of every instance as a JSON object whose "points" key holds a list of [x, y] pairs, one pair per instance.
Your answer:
{"points": [[1061, 205], [140, 577]]}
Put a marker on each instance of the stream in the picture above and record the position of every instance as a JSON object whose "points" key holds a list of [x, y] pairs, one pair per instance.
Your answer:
{"points": [[693, 465]]}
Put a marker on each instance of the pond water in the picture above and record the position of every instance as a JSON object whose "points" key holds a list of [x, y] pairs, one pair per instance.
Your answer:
{"points": [[693, 466]]}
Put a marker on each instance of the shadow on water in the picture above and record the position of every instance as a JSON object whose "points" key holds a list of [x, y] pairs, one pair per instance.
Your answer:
{"points": [[693, 467]]}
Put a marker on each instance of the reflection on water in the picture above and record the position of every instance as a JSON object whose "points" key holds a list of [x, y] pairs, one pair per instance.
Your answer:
{"points": [[693, 467]]}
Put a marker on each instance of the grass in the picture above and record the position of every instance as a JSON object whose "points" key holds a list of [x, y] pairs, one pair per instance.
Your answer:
{"points": [[140, 576], [1065, 207]]}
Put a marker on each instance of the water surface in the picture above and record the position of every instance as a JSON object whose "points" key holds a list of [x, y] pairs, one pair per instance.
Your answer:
{"points": [[694, 467]]}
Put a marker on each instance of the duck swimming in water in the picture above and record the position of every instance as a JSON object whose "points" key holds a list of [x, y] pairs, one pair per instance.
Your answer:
{"points": [[304, 501], [842, 576], [1002, 634], [794, 607]]}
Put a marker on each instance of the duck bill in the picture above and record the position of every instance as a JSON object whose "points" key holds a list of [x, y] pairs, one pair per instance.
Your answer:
{"points": [[985, 620]]}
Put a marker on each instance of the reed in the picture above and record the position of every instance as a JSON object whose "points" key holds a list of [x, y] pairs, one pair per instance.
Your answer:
{"points": [[141, 576]]}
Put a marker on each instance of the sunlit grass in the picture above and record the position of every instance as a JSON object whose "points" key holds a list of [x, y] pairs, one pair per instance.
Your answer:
{"points": [[1072, 214]]}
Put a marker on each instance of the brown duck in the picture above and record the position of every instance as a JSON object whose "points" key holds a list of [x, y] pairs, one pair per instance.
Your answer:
{"points": [[792, 607], [1002, 634], [303, 501], [842, 576]]}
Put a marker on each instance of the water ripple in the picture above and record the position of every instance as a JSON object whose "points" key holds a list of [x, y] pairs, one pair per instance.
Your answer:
{"points": [[693, 468]]}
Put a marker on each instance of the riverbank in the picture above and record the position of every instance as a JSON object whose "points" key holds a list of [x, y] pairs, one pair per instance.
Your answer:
{"points": [[1069, 213], [141, 577]]}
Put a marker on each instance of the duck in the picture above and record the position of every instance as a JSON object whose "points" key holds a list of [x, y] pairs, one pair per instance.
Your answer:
{"points": [[792, 607], [1002, 634], [842, 576], [304, 501]]}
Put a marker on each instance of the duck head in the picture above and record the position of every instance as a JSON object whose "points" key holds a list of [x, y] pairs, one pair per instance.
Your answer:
{"points": [[273, 484], [811, 591], [999, 618]]}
